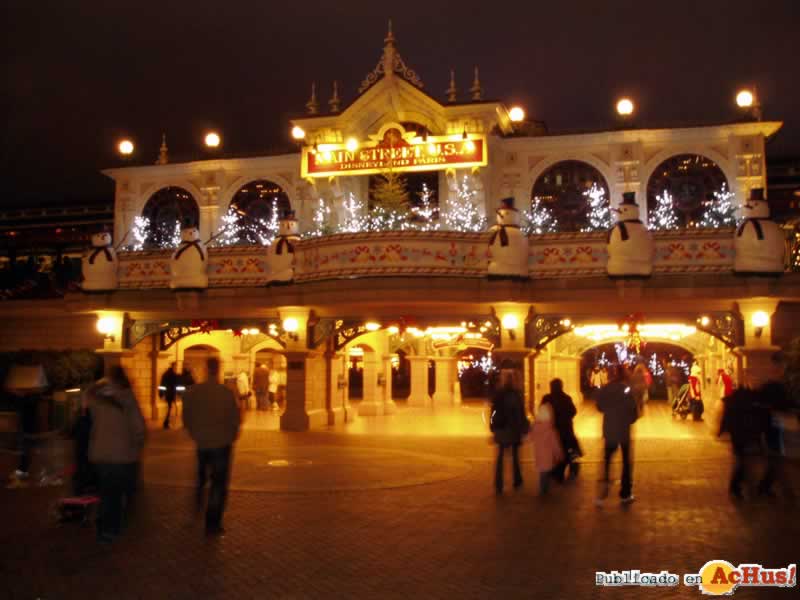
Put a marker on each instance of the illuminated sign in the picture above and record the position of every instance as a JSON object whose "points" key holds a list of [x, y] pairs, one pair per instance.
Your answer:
{"points": [[397, 151]]}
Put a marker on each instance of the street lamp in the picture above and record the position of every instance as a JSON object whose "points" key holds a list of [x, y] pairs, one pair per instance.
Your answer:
{"points": [[212, 139], [516, 114], [747, 101], [298, 133], [125, 147], [625, 107]]}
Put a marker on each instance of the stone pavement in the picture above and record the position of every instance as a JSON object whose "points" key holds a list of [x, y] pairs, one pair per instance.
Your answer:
{"points": [[386, 508]]}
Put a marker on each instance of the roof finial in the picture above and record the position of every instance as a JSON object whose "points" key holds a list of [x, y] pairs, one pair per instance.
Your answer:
{"points": [[312, 105], [163, 158], [451, 91], [389, 39], [476, 86], [335, 101]]}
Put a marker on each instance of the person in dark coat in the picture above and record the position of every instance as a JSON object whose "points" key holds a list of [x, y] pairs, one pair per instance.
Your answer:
{"points": [[745, 421], [508, 424], [564, 411], [619, 410], [168, 390]]}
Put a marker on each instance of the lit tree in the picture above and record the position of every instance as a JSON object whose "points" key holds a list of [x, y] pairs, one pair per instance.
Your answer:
{"points": [[354, 219], [321, 220], [236, 230], [140, 231], [663, 215], [426, 211], [390, 192], [720, 210], [464, 214], [599, 210], [539, 219]]}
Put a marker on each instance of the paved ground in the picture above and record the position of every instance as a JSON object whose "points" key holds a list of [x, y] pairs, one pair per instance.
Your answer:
{"points": [[389, 508]]}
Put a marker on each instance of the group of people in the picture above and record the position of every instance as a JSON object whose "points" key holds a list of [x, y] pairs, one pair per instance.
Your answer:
{"points": [[110, 434]]}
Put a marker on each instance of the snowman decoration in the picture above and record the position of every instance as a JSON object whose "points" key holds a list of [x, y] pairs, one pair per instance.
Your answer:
{"points": [[508, 247], [630, 245], [99, 266], [281, 251], [188, 266], [759, 242]]}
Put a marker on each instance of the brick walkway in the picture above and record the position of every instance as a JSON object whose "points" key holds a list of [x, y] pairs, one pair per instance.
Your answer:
{"points": [[389, 514]]}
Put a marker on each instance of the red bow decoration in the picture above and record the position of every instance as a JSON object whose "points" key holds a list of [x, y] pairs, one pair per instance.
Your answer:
{"points": [[237, 332], [205, 326]]}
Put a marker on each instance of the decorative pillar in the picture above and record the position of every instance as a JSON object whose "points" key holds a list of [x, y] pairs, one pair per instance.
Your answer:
{"points": [[372, 398], [758, 349], [389, 406], [749, 165], [295, 417], [419, 381], [443, 395]]}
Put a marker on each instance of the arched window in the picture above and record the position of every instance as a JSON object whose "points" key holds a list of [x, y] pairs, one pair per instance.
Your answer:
{"points": [[257, 206], [688, 183], [167, 210], [570, 196]]}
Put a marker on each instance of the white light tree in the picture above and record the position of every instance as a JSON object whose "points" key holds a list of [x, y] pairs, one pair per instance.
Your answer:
{"points": [[463, 214], [663, 216], [720, 211], [322, 215], [426, 211], [599, 210], [235, 229], [539, 219]]}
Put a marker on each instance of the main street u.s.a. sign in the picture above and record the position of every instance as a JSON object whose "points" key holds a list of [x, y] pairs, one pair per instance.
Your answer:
{"points": [[395, 151]]}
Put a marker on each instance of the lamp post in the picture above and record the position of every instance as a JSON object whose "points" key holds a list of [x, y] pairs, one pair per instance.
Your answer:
{"points": [[748, 102]]}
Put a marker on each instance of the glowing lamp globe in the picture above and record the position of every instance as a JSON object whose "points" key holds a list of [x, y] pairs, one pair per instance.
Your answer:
{"points": [[125, 147], [212, 140], [744, 99], [291, 324], [760, 319], [298, 133], [510, 321], [625, 107], [351, 144], [106, 325], [516, 114], [372, 326]]}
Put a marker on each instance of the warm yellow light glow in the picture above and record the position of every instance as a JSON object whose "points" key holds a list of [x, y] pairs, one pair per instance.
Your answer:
{"points": [[516, 114], [510, 321], [356, 351], [254, 331], [291, 324], [431, 148], [566, 322], [760, 319], [212, 139], [394, 330], [603, 332], [298, 133], [470, 145], [487, 324], [625, 107], [125, 147], [106, 325], [372, 326], [704, 321], [744, 99], [351, 144], [626, 327]]}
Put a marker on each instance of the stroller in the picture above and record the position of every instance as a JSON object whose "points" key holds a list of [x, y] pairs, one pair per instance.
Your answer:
{"points": [[682, 404]]}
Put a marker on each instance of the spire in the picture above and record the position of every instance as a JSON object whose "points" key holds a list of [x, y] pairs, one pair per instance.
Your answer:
{"points": [[476, 87], [389, 53], [163, 158], [451, 91], [389, 39], [335, 101], [312, 105], [390, 64]]}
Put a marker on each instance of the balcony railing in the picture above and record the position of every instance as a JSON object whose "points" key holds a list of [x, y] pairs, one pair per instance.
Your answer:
{"points": [[439, 253]]}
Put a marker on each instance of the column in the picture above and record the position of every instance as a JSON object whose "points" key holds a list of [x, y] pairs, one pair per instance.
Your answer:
{"points": [[443, 395], [419, 381], [519, 360], [372, 397], [758, 349], [295, 417], [338, 405], [389, 406]]}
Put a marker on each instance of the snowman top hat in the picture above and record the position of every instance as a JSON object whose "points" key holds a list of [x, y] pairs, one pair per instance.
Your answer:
{"points": [[629, 199], [288, 215], [507, 204]]}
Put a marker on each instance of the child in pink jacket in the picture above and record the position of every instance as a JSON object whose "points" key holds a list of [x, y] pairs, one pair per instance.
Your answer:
{"points": [[547, 446]]}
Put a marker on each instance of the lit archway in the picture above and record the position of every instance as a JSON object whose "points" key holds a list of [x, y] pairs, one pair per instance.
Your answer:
{"points": [[567, 190], [689, 182], [167, 210]]}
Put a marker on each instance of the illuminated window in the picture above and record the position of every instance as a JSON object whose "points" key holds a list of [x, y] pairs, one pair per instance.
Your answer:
{"points": [[165, 208], [260, 204], [691, 180], [564, 190]]}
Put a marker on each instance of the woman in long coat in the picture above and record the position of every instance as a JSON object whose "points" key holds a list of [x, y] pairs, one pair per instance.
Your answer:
{"points": [[564, 412]]}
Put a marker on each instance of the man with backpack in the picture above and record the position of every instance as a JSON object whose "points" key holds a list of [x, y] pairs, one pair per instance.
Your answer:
{"points": [[509, 424]]}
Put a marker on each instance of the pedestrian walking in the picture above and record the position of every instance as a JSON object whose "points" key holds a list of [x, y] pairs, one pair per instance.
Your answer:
{"points": [[774, 400], [640, 386], [26, 381], [619, 410], [745, 422], [547, 447], [261, 386], [212, 418], [509, 424], [564, 412], [243, 390], [168, 390], [115, 446]]}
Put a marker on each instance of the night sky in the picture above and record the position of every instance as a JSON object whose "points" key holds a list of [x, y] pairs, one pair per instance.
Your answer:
{"points": [[79, 75]]}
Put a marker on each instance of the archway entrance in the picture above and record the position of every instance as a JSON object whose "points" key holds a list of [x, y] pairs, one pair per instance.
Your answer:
{"points": [[269, 380], [195, 358], [475, 367]]}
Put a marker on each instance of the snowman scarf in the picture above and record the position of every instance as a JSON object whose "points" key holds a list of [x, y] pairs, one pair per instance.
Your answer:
{"points": [[185, 245], [756, 225], [502, 233], [97, 251], [283, 242], [623, 230]]}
